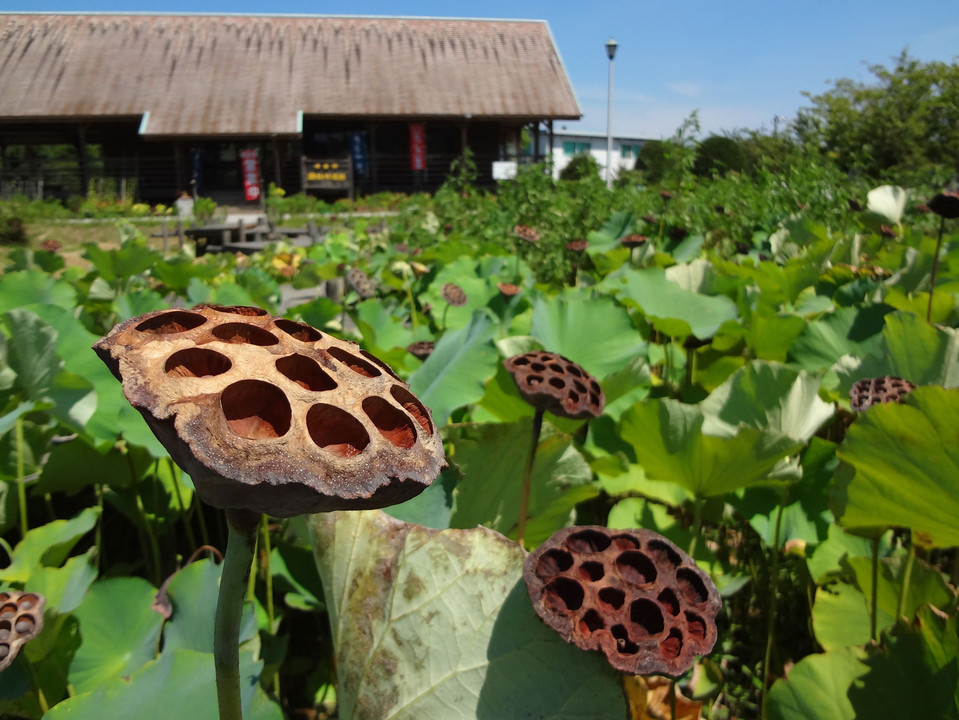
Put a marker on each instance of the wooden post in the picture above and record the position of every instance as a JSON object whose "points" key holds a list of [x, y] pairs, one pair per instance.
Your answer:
{"points": [[240, 231], [180, 234], [163, 231], [311, 231]]}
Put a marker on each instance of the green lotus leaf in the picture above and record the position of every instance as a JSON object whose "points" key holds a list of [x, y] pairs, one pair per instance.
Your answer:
{"points": [[818, 688], [905, 467], [455, 373], [489, 492], [438, 624], [847, 331], [670, 444], [595, 332], [120, 631], [671, 309], [48, 545]]}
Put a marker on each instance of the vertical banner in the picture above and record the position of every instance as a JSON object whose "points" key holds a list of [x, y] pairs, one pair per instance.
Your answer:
{"points": [[358, 152], [251, 173], [417, 146]]}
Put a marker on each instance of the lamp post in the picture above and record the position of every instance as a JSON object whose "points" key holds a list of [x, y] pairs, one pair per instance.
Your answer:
{"points": [[611, 53]]}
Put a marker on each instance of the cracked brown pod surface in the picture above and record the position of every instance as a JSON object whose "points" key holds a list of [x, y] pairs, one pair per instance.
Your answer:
{"points": [[21, 620], [548, 381], [271, 415], [631, 594], [873, 391]]}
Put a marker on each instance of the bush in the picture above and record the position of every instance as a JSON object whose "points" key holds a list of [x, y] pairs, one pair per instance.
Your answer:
{"points": [[717, 155], [580, 167], [13, 230]]}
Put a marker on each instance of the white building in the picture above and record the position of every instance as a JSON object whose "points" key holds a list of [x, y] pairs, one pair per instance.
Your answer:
{"points": [[566, 145]]}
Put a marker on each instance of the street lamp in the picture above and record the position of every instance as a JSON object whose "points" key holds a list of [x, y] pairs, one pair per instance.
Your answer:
{"points": [[611, 53]]}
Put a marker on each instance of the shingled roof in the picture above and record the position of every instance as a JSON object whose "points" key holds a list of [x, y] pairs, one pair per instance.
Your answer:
{"points": [[254, 75]]}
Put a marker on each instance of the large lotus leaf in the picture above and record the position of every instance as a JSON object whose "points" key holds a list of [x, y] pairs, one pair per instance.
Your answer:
{"points": [[767, 395], [455, 373], [826, 559], [927, 586], [489, 492], [28, 287], [595, 332], [670, 444], [607, 237], [847, 331], [770, 335], [179, 684], [905, 459], [118, 265], [912, 349], [31, 352], [841, 618], [818, 688], [120, 631], [671, 309], [916, 675], [48, 545], [193, 593], [437, 625]]}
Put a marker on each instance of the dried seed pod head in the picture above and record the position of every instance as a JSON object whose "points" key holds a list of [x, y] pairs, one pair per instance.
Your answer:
{"points": [[360, 282], [421, 349], [577, 245], [631, 594], [271, 415], [509, 289], [525, 232], [21, 620], [665, 195], [946, 204], [634, 240], [548, 381], [873, 391], [454, 295]]}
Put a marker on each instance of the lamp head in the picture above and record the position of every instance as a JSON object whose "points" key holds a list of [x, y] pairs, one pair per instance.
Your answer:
{"points": [[611, 46]]}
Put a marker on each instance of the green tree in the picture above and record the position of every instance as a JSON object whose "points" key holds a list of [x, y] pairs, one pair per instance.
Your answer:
{"points": [[717, 155], [579, 167], [907, 121]]}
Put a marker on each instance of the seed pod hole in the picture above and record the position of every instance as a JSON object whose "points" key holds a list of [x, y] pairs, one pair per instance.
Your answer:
{"points": [[672, 646], [357, 365], [587, 541], [636, 568], [564, 594], [393, 424], [592, 571], [376, 361], [646, 614], [612, 597], [336, 431], [197, 362], [667, 598], [242, 333], [695, 626], [413, 406], [305, 372], [691, 586], [256, 410], [661, 553], [25, 624], [623, 644], [299, 331], [553, 562], [591, 622], [176, 321]]}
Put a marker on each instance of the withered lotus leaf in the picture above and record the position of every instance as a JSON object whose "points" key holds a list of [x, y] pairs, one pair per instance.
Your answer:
{"points": [[21, 620], [548, 381], [631, 594], [271, 415]]}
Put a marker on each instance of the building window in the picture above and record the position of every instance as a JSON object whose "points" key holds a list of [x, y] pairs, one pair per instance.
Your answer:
{"points": [[628, 152], [575, 148]]}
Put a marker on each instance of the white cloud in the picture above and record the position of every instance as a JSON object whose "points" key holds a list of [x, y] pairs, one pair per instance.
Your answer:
{"points": [[685, 88]]}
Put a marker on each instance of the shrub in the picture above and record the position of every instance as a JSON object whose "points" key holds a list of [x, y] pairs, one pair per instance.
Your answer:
{"points": [[580, 167], [717, 154]]}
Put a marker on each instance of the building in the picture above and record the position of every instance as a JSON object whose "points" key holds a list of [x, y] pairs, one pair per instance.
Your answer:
{"points": [[224, 105], [565, 145]]}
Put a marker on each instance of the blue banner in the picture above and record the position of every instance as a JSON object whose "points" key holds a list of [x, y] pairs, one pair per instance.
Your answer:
{"points": [[358, 152]]}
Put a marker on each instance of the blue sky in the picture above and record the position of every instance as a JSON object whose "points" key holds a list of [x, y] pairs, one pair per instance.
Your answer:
{"points": [[739, 63]]}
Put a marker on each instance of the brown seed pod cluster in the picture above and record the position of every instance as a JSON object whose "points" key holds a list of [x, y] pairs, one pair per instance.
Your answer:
{"points": [[271, 415], [508, 289], [421, 349], [634, 240], [873, 391], [525, 232], [360, 282], [631, 594], [454, 295], [548, 381], [577, 245], [21, 620]]}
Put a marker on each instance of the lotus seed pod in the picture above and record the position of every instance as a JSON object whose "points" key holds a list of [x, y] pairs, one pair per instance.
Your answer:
{"points": [[872, 391], [631, 594], [271, 415], [21, 620], [454, 294], [548, 381]]}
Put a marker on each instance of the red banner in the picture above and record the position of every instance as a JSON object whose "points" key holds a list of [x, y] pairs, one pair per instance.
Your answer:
{"points": [[250, 163], [417, 146]]}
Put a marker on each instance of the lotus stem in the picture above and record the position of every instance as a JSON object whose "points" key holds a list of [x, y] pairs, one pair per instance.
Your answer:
{"points": [[242, 526], [935, 268], [773, 601], [906, 578], [874, 610], [528, 479], [21, 480]]}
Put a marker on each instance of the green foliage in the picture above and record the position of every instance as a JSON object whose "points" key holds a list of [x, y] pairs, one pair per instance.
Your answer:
{"points": [[717, 155], [580, 167]]}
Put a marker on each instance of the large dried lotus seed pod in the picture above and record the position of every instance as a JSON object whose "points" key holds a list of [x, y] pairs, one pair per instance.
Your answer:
{"points": [[271, 415], [548, 381], [454, 294], [21, 620], [631, 594], [873, 391]]}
